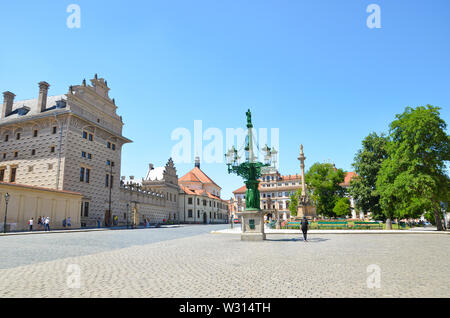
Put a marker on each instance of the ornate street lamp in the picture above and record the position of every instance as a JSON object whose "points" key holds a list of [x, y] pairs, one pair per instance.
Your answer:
{"points": [[6, 211], [250, 170]]}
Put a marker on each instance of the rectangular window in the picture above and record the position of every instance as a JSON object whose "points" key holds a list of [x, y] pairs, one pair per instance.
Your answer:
{"points": [[88, 174], [84, 135], [113, 147], [16, 154], [35, 133], [108, 145], [12, 178], [189, 213], [6, 137], [107, 180], [33, 152], [86, 209], [54, 130], [89, 156], [82, 170], [91, 137], [189, 200], [52, 149], [83, 154], [18, 136], [2, 175]]}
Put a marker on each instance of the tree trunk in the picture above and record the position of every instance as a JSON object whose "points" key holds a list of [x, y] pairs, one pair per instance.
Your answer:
{"points": [[388, 224], [437, 215]]}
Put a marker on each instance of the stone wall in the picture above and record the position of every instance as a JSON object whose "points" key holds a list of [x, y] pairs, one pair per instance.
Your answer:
{"points": [[26, 202]]}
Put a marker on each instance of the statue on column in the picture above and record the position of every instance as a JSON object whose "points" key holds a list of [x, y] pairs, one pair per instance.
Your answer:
{"points": [[305, 204]]}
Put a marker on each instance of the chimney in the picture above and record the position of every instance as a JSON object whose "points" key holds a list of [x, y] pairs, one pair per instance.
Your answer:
{"points": [[8, 100], [42, 99], [197, 162]]}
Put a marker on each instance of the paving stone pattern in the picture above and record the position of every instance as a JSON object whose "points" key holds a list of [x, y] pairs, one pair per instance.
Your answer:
{"points": [[220, 265]]}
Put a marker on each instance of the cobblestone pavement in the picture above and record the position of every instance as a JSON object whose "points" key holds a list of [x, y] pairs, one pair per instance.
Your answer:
{"points": [[220, 265], [32, 248]]}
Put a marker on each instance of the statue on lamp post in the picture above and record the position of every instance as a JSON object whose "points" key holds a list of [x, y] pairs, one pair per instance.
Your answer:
{"points": [[250, 170]]}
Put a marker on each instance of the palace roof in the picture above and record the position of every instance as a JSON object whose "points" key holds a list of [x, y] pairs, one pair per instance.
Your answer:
{"points": [[197, 175]]}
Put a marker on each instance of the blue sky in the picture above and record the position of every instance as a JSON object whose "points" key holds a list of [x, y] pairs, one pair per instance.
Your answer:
{"points": [[311, 68]]}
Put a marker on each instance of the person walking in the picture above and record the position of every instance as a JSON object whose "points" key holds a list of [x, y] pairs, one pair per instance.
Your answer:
{"points": [[305, 226], [98, 222], [69, 222], [30, 223], [47, 224], [64, 222], [40, 223]]}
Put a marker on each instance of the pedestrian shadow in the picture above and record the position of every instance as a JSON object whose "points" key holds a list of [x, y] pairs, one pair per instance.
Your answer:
{"points": [[296, 239]]}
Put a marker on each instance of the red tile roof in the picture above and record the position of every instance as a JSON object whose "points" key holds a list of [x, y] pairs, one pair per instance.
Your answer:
{"points": [[290, 177], [196, 175], [348, 177], [190, 191], [241, 190]]}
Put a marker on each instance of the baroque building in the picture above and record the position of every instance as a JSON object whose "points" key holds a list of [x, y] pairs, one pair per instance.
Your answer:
{"points": [[200, 200], [70, 142], [276, 191]]}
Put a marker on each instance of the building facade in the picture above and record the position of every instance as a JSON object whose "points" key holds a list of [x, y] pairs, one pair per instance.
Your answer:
{"points": [[200, 201], [71, 142], [276, 191]]}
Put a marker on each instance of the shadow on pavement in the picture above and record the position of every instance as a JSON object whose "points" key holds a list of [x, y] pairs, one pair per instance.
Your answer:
{"points": [[311, 240]]}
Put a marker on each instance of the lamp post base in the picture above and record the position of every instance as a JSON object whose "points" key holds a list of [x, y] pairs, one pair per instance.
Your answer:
{"points": [[252, 225]]}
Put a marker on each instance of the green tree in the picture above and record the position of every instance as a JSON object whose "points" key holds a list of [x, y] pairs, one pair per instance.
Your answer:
{"points": [[412, 180], [367, 164], [293, 204], [324, 180], [342, 207]]}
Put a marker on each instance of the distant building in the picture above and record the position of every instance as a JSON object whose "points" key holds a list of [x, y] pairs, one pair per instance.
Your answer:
{"points": [[200, 200], [164, 181], [277, 190], [346, 184]]}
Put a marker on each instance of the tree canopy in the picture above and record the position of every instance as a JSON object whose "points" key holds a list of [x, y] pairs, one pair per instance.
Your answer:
{"points": [[342, 207], [324, 180], [413, 177], [367, 164]]}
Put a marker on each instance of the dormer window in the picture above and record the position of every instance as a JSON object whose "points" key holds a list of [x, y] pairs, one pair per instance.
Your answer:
{"points": [[61, 104], [23, 111]]}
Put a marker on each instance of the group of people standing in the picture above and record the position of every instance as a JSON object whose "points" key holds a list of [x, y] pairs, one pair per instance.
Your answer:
{"points": [[44, 222]]}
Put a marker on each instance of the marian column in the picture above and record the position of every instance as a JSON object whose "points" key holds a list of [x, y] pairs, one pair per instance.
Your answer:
{"points": [[305, 205], [302, 159]]}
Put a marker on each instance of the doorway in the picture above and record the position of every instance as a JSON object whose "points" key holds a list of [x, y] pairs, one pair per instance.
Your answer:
{"points": [[107, 218]]}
